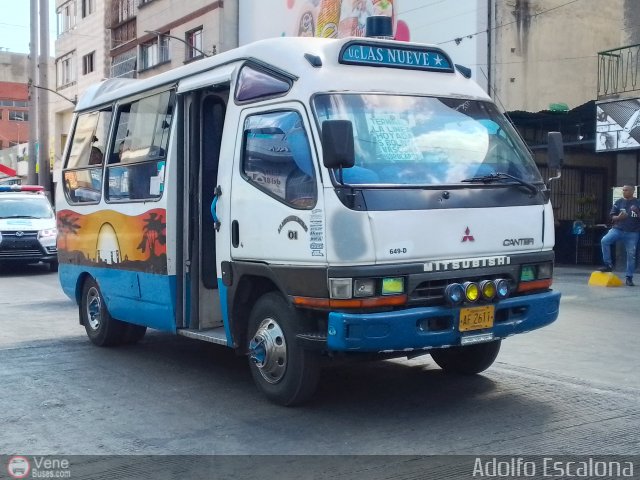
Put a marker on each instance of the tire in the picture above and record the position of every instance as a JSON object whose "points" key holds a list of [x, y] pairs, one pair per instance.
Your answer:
{"points": [[53, 266], [286, 373], [467, 360], [102, 329], [133, 333]]}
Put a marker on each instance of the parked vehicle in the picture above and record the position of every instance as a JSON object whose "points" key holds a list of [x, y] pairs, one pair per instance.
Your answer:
{"points": [[27, 226]]}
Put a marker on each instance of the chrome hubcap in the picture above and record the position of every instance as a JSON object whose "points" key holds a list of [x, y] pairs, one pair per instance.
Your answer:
{"points": [[93, 308], [268, 351]]}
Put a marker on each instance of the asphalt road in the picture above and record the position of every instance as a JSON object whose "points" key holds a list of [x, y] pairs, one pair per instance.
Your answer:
{"points": [[571, 388]]}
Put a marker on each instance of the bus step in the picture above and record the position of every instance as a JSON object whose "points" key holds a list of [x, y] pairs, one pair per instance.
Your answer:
{"points": [[213, 335]]}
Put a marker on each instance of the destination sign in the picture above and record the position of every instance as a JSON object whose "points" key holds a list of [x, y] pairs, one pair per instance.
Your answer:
{"points": [[417, 58]]}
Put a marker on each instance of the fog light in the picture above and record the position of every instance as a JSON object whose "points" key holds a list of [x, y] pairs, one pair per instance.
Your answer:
{"points": [[364, 287], [502, 288], [471, 291], [392, 286], [340, 287], [488, 289], [454, 293], [527, 273]]}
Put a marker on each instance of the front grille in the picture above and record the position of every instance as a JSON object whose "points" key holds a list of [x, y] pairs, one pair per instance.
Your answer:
{"points": [[18, 244], [19, 253], [19, 234], [431, 292]]}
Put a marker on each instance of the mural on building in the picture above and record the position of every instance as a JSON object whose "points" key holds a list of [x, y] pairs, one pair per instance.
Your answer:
{"points": [[618, 125], [322, 18], [114, 240]]}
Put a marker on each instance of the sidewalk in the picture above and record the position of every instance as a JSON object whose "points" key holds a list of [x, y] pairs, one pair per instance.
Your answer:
{"points": [[564, 272]]}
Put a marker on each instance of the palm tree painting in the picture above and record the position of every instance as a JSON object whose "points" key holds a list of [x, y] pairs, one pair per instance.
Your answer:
{"points": [[153, 234], [67, 226]]}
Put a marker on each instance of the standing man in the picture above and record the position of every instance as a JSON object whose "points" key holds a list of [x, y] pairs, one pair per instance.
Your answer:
{"points": [[625, 215]]}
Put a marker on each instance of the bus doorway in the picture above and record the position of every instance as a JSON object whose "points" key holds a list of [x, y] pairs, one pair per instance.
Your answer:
{"points": [[204, 115]]}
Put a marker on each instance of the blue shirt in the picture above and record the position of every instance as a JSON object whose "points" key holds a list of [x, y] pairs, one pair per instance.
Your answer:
{"points": [[631, 223]]}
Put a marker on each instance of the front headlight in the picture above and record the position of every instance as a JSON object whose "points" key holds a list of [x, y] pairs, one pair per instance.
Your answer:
{"points": [[47, 233]]}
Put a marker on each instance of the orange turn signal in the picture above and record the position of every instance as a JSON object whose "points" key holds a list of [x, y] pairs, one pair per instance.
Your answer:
{"points": [[535, 285], [387, 301]]}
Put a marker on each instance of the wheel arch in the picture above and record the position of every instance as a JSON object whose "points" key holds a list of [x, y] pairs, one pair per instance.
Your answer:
{"points": [[248, 290], [82, 278]]}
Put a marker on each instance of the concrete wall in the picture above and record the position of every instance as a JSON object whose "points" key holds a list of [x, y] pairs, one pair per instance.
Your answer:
{"points": [[544, 52], [458, 27], [14, 67]]}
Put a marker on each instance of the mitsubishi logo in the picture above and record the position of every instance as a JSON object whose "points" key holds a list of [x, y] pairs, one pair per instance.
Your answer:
{"points": [[467, 236], [19, 234]]}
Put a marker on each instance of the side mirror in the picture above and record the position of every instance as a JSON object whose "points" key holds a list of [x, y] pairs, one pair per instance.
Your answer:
{"points": [[338, 144], [555, 150]]}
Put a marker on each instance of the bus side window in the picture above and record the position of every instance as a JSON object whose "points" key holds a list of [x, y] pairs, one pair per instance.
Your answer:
{"points": [[277, 158], [83, 169], [137, 164]]}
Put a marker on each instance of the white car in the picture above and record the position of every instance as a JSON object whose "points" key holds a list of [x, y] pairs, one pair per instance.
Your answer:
{"points": [[27, 226]]}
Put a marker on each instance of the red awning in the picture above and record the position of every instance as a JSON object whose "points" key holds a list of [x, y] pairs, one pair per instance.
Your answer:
{"points": [[7, 171]]}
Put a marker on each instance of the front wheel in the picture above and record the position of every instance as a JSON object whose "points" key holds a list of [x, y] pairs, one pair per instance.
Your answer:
{"points": [[467, 360], [286, 373], [102, 329]]}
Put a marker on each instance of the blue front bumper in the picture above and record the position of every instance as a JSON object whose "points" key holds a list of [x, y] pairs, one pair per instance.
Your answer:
{"points": [[409, 329]]}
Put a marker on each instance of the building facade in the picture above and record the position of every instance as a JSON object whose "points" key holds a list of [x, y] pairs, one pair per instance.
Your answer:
{"points": [[80, 60], [547, 71], [14, 114], [131, 39]]}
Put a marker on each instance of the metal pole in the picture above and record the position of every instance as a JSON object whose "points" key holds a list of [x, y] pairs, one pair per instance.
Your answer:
{"points": [[33, 117], [44, 163]]}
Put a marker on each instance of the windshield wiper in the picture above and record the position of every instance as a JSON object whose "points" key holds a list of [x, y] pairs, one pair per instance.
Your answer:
{"points": [[21, 216], [500, 176]]}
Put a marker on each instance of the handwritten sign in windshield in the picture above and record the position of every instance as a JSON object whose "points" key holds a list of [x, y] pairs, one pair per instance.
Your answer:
{"points": [[393, 138]]}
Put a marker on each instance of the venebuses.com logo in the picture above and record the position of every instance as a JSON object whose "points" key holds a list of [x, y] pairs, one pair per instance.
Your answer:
{"points": [[38, 467], [18, 467]]}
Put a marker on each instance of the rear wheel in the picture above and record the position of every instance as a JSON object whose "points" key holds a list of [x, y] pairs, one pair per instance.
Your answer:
{"points": [[286, 373], [467, 360], [102, 329]]}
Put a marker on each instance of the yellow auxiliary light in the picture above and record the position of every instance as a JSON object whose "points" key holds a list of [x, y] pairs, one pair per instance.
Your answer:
{"points": [[471, 291], [488, 289]]}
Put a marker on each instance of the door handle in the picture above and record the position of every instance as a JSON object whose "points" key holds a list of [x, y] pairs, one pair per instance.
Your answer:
{"points": [[235, 234], [216, 195]]}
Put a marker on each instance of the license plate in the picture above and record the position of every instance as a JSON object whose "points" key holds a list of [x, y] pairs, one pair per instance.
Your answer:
{"points": [[476, 318]]}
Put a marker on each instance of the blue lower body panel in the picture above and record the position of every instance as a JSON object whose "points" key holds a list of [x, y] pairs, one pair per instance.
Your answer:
{"points": [[136, 297], [422, 328]]}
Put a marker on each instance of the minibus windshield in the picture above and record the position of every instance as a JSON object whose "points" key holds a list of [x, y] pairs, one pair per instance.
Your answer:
{"points": [[417, 140]]}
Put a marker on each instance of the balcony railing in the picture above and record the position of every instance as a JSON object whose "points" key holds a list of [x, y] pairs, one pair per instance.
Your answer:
{"points": [[618, 71]]}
